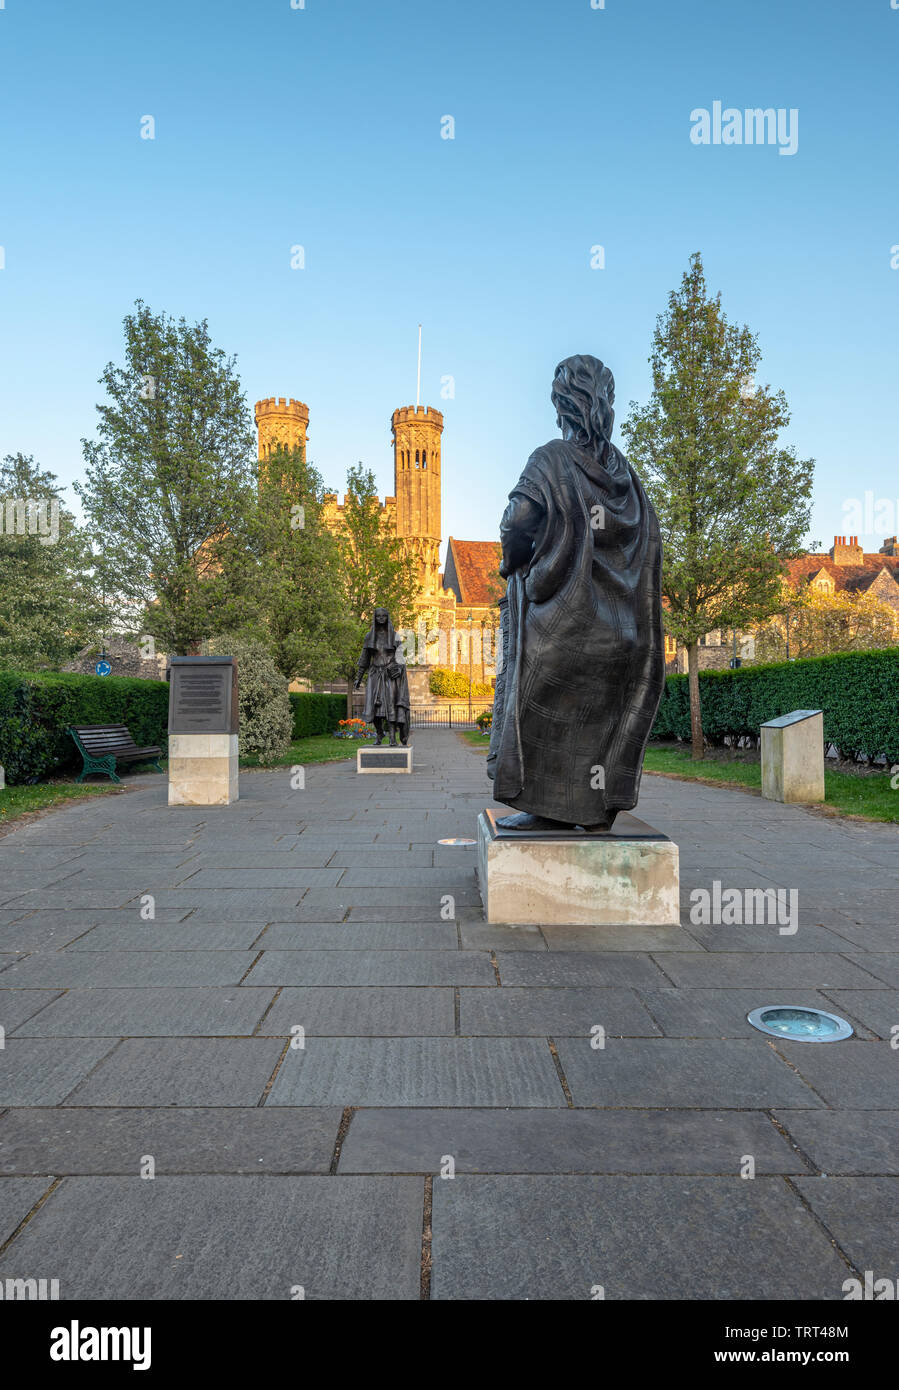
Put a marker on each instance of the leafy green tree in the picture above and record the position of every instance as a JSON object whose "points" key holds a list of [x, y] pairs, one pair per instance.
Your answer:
{"points": [[377, 571], [48, 604], [170, 479], [290, 573], [265, 712], [732, 502]]}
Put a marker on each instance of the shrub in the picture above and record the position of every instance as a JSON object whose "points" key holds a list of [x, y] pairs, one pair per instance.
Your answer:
{"points": [[858, 693], [485, 721], [266, 718], [316, 714], [454, 684], [36, 709]]}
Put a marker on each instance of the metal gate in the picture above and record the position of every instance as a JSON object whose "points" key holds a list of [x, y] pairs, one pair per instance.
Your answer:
{"points": [[447, 716]]}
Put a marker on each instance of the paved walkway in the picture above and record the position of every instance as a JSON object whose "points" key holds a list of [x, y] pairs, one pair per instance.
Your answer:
{"points": [[434, 1046]]}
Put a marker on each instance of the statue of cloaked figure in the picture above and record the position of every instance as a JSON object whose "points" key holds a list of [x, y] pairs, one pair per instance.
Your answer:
{"points": [[387, 688], [583, 649]]}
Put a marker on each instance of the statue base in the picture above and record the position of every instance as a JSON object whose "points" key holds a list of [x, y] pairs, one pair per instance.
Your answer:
{"points": [[627, 875], [384, 759], [203, 769]]}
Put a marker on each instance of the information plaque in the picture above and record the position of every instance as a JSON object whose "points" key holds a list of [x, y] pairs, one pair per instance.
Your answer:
{"points": [[203, 695]]}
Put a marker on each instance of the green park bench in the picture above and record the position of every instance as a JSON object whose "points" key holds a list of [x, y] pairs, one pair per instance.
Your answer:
{"points": [[102, 745]]}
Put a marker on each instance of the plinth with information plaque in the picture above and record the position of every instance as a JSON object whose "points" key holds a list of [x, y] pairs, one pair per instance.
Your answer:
{"points": [[203, 731]]}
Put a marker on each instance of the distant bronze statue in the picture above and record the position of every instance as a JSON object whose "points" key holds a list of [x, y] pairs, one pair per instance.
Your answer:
{"points": [[583, 651], [387, 688]]}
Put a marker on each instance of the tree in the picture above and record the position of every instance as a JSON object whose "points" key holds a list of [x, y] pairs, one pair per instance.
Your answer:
{"points": [[170, 479], [282, 580], [377, 571], [265, 712], [48, 605], [815, 623], [732, 502]]}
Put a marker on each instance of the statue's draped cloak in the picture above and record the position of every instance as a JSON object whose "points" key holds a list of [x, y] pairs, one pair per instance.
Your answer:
{"points": [[583, 648], [386, 696]]}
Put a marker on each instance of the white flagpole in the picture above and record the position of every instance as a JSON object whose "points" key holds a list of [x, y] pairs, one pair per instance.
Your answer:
{"points": [[418, 387]]}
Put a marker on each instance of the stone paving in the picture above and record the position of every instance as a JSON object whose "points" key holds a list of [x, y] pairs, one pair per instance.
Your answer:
{"points": [[434, 1043]]}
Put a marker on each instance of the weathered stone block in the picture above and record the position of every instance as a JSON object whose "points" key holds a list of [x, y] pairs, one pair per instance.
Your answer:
{"points": [[793, 757], [628, 876], [203, 769]]}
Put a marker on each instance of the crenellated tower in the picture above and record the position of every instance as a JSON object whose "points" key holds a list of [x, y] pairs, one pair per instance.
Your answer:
{"points": [[416, 466], [281, 424]]}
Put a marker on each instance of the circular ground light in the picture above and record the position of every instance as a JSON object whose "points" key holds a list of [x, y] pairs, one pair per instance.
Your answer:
{"points": [[799, 1024], [456, 842]]}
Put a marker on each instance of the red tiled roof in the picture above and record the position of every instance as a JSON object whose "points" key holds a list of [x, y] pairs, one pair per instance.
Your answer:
{"points": [[852, 578], [472, 571]]}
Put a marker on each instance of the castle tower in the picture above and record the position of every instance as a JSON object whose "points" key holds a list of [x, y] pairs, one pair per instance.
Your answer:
{"points": [[416, 466], [281, 423]]}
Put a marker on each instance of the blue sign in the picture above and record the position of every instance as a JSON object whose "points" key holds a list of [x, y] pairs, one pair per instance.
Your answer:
{"points": [[103, 668]]}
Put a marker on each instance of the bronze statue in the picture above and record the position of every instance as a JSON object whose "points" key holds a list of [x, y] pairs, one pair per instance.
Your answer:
{"points": [[387, 688], [583, 650]]}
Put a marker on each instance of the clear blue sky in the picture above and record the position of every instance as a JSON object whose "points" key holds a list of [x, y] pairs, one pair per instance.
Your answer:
{"points": [[321, 127]]}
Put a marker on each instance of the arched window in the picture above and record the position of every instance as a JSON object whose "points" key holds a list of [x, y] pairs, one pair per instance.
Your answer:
{"points": [[416, 456]]}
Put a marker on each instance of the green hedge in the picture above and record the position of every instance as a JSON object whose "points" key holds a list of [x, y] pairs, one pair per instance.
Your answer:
{"points": [[858, 692], [316, 714], [35, 710]]}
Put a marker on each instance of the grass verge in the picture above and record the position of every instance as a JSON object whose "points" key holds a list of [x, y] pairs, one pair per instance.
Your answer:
{"points": [[866, 794], [23, 801]]}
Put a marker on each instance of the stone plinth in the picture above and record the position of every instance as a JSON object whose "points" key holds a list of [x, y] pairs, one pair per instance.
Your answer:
{"points": [[547, 878], [202, 769], [384, 759], [793, 757]]}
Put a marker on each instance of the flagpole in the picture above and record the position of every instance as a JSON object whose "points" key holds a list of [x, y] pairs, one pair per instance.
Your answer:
{"points": [[418, 387]]}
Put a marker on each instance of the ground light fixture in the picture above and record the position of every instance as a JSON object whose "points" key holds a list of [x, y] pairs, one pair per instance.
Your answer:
{"points": [[797, 1023], [458, 841]]}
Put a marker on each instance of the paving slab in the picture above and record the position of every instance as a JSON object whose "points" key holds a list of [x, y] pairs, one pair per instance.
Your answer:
{"points": [[722, 1013], [125, 969], [19, 1005], [863, 1216], [395, 1011], [561, 1012], [684, 1072], [636, 1237], [40, 1071], [554, 968], [613, 937], [767, 938], [769, 970], [226, 1238], [17, 1197], [179, 1071], [876, 1010], [227, 1140], [854, 1075], [418, 1071], [565, 1141], [846, 1141], [883, 965], [189, 935], [149, 1013], [366, 968], [363, 936], [266, 878]]}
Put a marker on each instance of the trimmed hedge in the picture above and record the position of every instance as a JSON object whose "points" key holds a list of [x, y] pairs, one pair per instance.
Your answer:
{"points": [[858, 692], [316, 714], [35, 710], [454, 685]]}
